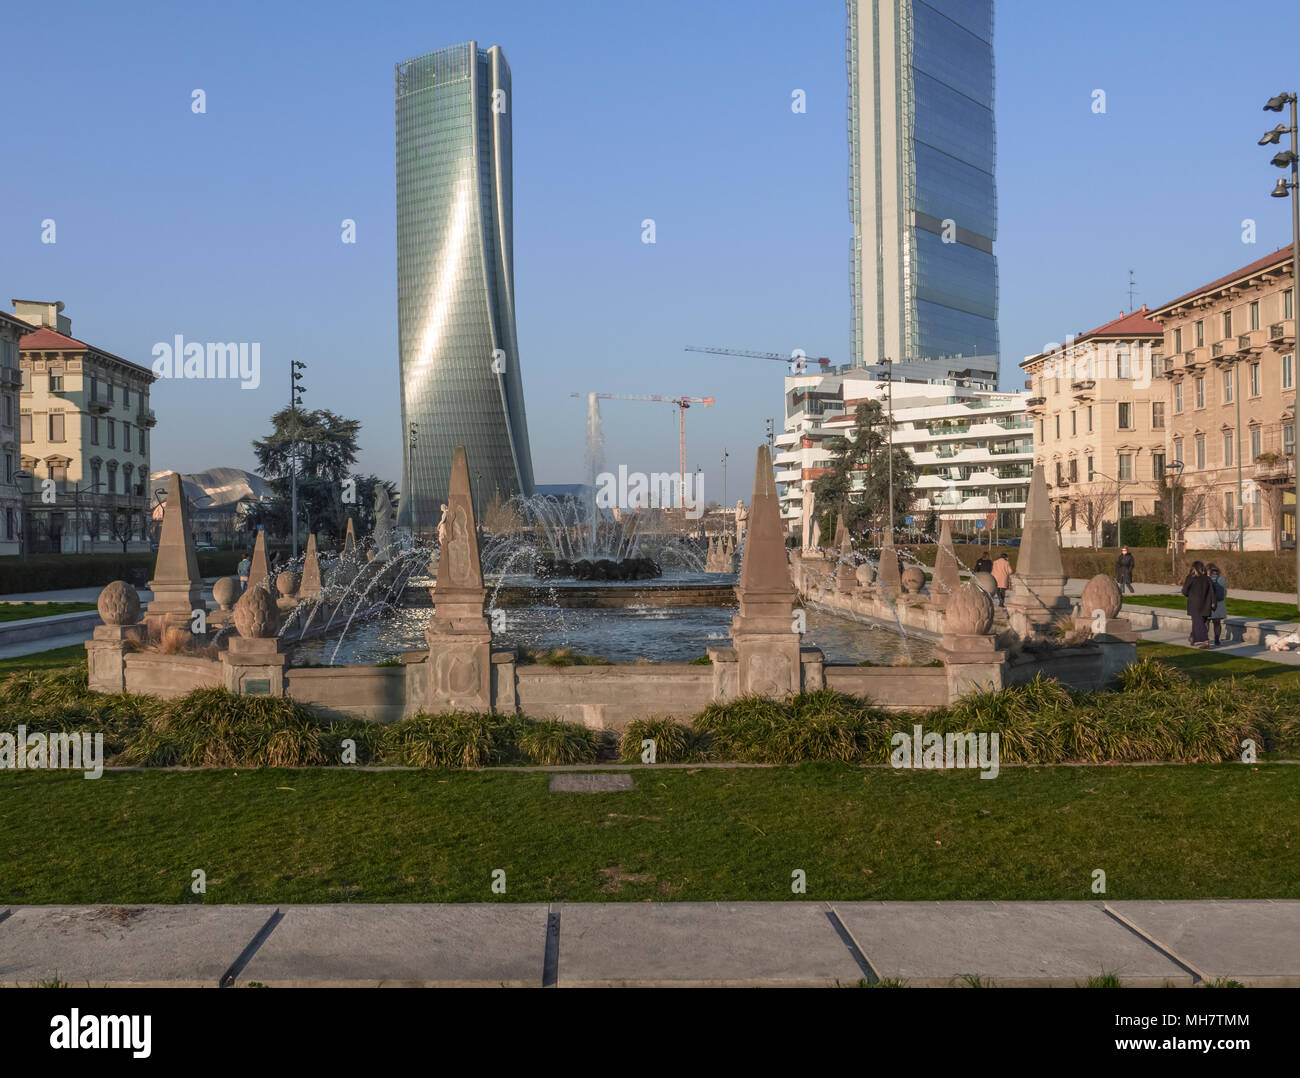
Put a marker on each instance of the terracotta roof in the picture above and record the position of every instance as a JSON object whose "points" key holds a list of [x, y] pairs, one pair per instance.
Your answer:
{"points": [[1282, 254], [1133, 324], [49, 340]]}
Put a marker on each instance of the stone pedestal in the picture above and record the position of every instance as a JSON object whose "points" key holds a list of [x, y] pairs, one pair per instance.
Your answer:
{"points": [[254, 666], [973, 663], [106, 655]]}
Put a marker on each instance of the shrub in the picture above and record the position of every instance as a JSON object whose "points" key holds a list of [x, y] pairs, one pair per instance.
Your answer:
{"points": [[552, 742], [675, 743], [48, 572], [456, 739]]}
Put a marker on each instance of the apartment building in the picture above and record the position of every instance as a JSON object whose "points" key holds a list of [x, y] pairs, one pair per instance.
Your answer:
{"points": [[1101, 418], [971, 445], [84, 433], [12, 331], [1231, 388]]}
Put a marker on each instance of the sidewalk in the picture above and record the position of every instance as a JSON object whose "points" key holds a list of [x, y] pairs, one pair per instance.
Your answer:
{"points": [[1074, 588], [625, 944]]}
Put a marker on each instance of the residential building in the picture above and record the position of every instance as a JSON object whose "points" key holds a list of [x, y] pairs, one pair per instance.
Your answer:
{"points": [[972, 447], [459, 357], [1101, 419], [922, 194], [1231, 387], [12, 331], [85, 427]]}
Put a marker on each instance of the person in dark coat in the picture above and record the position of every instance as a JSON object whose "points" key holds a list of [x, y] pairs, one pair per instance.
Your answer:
{"points": [[984, 565], [1124, 570], [1199, 589], [1220, 601]]}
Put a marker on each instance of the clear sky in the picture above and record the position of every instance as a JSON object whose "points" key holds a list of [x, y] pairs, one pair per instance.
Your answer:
{"points": [[226, 226]]}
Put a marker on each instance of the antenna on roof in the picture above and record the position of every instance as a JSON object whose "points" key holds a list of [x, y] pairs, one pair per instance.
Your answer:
{"points": [[1132, 287]]}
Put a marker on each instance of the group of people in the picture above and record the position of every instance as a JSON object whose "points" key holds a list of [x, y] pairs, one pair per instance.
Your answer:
{"points": [[1207, 603], [1000, 569]]}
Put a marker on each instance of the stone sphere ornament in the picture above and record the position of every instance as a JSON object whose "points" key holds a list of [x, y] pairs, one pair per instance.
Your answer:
{"points": [[986, 583], [1101, 593], [225, 592], [119, 604], [969, 612], [913, 580], [866, 574], [256, 615], [287, 584]]}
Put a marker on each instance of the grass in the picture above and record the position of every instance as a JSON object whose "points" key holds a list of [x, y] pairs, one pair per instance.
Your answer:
{"points": [[25, 611], [55, 659], [315, 835], [1206, 667], [1237, 608]]}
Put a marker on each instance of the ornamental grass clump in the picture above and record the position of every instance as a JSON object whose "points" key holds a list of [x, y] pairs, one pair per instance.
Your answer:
{"points": [[674, 742]]}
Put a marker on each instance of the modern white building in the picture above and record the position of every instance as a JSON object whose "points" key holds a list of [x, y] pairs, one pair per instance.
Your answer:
{"points": [[972, 445]]}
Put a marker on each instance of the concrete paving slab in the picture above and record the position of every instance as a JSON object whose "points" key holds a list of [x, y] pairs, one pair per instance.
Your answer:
{"points": [[356, 945], [590, 784], [1256, 942], [701, 944], [125, 946], [1013, 944]]}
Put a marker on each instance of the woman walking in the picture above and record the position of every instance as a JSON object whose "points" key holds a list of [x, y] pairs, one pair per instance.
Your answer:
{"points": [[1220, 612], [1199, 590]]}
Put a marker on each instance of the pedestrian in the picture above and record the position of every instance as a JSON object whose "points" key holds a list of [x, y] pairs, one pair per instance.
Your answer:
{"points": [[245, 567], [1199, 590], [1220, 613], [984, 564], [1001, 571], [1124, 570]]}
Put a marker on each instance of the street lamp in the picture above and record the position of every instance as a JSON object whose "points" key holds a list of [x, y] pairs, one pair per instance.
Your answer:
{"points": [[410, 471], [725, 455], [1119, 489], [1284, 159], [888, 379], [296, 389]]}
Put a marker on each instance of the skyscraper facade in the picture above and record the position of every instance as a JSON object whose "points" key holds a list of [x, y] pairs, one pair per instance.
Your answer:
{"points": [[922, 195], [460, 377]]}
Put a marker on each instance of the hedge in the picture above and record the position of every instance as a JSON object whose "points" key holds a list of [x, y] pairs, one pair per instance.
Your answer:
{"points": [[51, 572]]}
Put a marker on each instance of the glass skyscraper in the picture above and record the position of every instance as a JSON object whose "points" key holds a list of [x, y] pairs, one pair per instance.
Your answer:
{"points": [[460, 377], [922, 195]]}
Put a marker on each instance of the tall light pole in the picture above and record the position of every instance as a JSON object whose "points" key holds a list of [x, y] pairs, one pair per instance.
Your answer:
{"points": [[888, 379], [725, 455], [1290, 157], [296, 366], [1175, 466], [410, 471]]}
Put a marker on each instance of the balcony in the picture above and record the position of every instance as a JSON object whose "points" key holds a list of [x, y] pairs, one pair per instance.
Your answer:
{"points": [[98, 406], [1035, 402], [1273, 467], [146, 418], [1216, 350], [1282, 333], [11, 377]]}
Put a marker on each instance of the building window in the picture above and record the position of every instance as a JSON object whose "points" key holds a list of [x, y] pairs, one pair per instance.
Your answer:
{"points": [[1157, 466], [112, 433], [1288, 438], [27, 380], [1254, 314], [94, 477], [94, 388], [1040, 430], [110, 392], [1259, 511], [1126, 467], [1227, 449], [1178, 451], [1227, 387], [1125, 510], [126, 397], [1200, 334], [1178, 340], [56, 427], [1200, 393], [1157, 415], [1058, 473], [1124, 363], [1074, 470], [1090, 418], [1090, 471], [1125, 415], [56, 381], [1074, 421], [1286, 304], [25, 427], [1058, 425], [1227, 324], [1205, 512], [9, 467], [94, 430], [1178, 397], [126, 437], [1254, 379], [59, 473], [1200, 451], [1288, 372], [1256, 442]]}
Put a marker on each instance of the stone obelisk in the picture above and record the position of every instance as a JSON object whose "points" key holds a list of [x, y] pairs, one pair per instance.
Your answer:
{"points": [[176, 585]]}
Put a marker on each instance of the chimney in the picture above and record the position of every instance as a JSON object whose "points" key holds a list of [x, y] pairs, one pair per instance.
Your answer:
{"points": [[48, 313]]}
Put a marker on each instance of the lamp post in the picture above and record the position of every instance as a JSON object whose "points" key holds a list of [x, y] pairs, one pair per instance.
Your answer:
{"points": [[410, 471], [296, 389], [725, 455], [1283, 159], [1119, 488]]}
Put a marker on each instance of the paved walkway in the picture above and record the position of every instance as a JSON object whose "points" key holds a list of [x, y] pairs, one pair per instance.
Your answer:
{"points": [[1074, 588], [1236, 651], [796, 943]]}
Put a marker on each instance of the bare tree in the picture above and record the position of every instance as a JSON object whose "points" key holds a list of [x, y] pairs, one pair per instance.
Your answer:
{"points": [[1092, 502]]}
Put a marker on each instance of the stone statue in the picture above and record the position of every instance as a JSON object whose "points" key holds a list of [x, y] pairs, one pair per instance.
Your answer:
{"points": [[742, 521], [442, 527], [383, 523]]}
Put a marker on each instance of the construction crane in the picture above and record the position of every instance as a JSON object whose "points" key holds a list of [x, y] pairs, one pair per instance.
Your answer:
{"points": [[797, 361], [681, 403]]}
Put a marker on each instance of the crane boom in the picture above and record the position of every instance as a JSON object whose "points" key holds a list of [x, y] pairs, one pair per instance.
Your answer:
{"points": [[794, 357]]}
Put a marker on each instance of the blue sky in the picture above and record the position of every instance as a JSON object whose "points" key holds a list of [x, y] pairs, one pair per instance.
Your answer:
{"points": [[226, 226]]}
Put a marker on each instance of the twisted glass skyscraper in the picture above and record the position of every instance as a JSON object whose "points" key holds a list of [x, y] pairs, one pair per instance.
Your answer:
{"points": [[922, 194], [460, 377]]}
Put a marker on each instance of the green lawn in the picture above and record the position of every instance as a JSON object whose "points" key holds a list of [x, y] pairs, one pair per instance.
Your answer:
{"points": [[1207, 666], [54, 659], [23, 611], [276, 836], [1237, 608]]}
